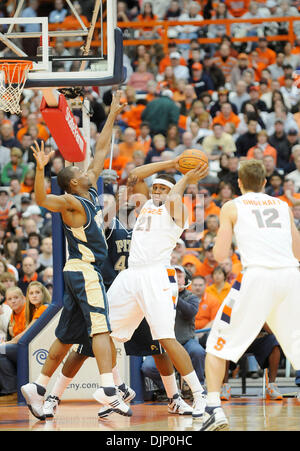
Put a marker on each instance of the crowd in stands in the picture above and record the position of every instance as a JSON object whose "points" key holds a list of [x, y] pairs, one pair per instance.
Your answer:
{"points": [[234, 101]]}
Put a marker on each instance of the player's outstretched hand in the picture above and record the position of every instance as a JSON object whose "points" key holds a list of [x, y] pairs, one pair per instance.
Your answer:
{"points": [[198, 173], [116, 107], [41, 158]]}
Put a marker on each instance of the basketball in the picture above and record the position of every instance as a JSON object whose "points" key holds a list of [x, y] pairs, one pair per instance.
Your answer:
{"points": [[190, 159]]}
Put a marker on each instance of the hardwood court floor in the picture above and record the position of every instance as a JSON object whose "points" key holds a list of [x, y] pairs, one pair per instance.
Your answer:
{"points": [[245, 414]]}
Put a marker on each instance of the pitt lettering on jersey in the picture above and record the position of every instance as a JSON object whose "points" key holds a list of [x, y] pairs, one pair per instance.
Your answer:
{"points": [[262, 203], [123, 245]]}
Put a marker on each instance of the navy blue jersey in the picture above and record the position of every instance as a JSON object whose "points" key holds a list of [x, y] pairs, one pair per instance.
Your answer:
{"points": [[88, 243], [118, 241]]}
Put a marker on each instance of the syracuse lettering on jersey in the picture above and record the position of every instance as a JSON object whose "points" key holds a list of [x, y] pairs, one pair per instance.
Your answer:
{"points": [[151, 211]]}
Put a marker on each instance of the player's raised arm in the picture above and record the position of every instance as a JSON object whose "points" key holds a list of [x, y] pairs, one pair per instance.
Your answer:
{"points": [[137, 176], [223, 240], [56, 204], [174, 203], [104, 141]]}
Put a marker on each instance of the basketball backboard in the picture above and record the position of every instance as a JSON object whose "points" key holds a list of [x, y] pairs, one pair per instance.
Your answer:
{"points": [[81, 52]]}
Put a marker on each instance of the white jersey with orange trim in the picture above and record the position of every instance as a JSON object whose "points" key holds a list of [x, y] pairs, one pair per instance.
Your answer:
{"points": [[154, 236], [263, 231]]}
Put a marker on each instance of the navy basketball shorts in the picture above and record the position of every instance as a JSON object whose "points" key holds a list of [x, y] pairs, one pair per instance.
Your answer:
{"points": [[85, 311]]}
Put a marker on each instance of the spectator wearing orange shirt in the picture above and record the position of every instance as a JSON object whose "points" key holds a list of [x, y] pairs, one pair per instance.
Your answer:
{"points": [[24, 315], [226, 116], [219, 288], [237, 266], [147, 16], [71, 22], [290, 196], [37, 300], [129, 144], [168, 80], [32, 120], [262, 143], [208, 305], [27, 186], [225, 61], [209, 263], [133, 115], [237, 8], [266, 55], [192, 263], [210, 208], [16, 301], [144, 138], [288, 71]]}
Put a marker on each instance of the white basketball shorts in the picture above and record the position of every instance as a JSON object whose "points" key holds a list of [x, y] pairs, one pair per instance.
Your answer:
{"points": [[150, 292], [264, 296]]}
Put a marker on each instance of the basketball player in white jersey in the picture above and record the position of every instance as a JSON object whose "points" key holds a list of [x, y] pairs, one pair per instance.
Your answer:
{"points": [[269, 245], [148, 288]]}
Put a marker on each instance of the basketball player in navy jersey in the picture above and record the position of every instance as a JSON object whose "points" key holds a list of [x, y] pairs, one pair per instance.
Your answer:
{"points": [[85, 312], [118, 236]]}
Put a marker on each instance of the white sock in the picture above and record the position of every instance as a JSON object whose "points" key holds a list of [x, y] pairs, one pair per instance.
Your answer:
{"points": [[193, 382], [42, 380], [117, 378], [107, 380], [213, 399], [60, 385], [170, 385]]}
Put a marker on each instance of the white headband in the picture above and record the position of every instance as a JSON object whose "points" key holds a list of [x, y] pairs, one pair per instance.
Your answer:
{"points": [[163, 182]]}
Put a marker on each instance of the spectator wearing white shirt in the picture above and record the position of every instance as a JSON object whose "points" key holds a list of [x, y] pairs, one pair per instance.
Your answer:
{"points": [[276, 69], [180, 72], [187, 143], [240, 95], [45, 259], [189, 31], [286, 10], [290, 91], [295, 175]]}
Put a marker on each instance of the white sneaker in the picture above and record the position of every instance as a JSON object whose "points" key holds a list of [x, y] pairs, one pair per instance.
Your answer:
{"points": [[126, 392], [111, 399], [50, 406], [272, 392], [199, 406], [34, 397], [127, 395], [215, 420], [178, 406]]}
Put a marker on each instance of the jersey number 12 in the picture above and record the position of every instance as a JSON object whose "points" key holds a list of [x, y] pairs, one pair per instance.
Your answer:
{"points": [[267, 218]]}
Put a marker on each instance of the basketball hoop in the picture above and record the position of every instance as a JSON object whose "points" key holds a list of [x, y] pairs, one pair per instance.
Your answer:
{"points": [[13, 76]]}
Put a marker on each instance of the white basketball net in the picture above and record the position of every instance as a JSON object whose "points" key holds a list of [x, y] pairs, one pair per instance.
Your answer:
{"points": [[12, 80]]}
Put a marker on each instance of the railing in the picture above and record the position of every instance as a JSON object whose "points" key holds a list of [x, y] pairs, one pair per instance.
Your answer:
{"points": [[164, 25]]}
